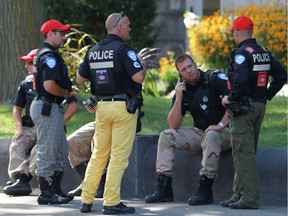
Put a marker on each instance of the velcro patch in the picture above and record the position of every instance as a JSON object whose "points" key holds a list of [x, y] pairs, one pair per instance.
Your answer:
{"points": [[239, 59], [51, 62], [222, 76], [132, 55]]}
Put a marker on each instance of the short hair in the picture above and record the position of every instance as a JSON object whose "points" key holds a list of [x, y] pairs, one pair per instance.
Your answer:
{"points": [[181, 58]]}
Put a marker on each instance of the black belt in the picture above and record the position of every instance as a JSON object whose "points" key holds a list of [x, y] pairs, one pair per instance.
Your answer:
{"points": [[116, 97], [261, 100], [51, 100]]}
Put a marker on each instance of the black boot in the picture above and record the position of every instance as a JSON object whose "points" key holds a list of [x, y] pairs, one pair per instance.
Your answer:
{"points": [[164, 191], [56, 186], [46, 195], [20, 187], [81, 169], [204, 194]]}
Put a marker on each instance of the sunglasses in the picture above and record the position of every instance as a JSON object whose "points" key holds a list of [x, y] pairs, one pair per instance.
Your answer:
{"points": [[121, 16], [63, 33], [29, 63]]}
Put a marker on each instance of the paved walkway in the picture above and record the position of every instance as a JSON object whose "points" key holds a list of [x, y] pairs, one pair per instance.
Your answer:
{"points": [[27, 205]]}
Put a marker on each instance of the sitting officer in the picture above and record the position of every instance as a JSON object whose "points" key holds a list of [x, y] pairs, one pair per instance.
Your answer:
{"points": [[25, 137], [198, 93]]}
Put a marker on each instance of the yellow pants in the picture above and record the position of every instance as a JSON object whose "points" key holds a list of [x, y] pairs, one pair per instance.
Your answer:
{"points": [[114, 139]]}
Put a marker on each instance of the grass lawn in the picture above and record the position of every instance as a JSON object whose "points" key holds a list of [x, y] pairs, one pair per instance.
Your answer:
{"points": [[273, 131]]}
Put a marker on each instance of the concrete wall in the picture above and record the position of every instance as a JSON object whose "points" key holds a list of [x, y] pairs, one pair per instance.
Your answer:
{"points": [[139, 179], [172, 32]]}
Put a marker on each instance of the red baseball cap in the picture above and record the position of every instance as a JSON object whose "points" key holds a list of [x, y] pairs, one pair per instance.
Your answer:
{"points": [[29, 57], [54, 25], [242, 23]]}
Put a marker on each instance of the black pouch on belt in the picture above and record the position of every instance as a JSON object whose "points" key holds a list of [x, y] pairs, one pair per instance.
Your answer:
{"points": [[46, 108]]}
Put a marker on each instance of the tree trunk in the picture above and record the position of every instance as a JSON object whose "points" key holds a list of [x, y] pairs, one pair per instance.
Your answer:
{"points": [[20, 23]]}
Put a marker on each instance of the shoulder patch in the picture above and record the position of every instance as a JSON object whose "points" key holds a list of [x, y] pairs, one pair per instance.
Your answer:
{"points": [[51, 62], [136, 65], [132, 55], [239, 59], [222, 76]]}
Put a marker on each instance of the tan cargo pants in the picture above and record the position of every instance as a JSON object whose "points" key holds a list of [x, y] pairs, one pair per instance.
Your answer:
{"points": [[195, 141]]}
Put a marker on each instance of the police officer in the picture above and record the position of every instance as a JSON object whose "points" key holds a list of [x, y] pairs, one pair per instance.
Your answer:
{"points": [[115, 73], [52, 87], [198, 93], [81, 143], [25, 137], [251, 67], [21, 163]]}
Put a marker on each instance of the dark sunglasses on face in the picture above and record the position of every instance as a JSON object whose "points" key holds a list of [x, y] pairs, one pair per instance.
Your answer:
{"points": [[63, 33], [29, 63]]}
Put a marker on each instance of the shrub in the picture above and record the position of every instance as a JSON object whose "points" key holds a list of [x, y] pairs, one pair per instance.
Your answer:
{"points": [[74, 50], [271, 29], [210, 41]]}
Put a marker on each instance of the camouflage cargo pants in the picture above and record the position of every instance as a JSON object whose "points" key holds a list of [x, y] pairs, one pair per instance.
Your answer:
{"points": [[195, 141], [19, 153], [80, 144]]}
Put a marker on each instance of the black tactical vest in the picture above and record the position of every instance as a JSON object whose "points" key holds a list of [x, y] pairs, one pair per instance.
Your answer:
{"points": [[107, 70], [260, 67], [29, 94], [64, 83], [202, 102]]}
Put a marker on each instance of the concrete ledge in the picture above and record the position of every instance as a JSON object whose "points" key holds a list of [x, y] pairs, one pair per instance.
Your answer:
{"points": [[139, 179]]}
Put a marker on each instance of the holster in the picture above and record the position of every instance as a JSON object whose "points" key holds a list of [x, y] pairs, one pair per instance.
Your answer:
{"points": [[134, 101], [27, 121]]}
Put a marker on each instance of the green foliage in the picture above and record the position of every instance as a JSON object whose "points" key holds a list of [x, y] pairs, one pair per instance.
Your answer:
{"points": [[274, 126], [74, 50], [161, 80], [170, 78], [157, 84], [210, 41], [150, 83], [90, 16]]}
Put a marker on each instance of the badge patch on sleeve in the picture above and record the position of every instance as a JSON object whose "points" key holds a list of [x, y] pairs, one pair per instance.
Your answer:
{"points": [[222, 76], [51, 62], [132, 55], [239, 59]]}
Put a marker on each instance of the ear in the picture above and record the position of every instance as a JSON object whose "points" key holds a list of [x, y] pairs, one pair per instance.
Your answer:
{"points": [[119, 26], [49, 34]]}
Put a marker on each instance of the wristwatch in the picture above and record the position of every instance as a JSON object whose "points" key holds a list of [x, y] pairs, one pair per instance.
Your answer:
{"points": [[221, 124]]}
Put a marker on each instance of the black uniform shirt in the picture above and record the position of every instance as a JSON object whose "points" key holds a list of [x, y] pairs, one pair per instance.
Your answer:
{"points": [[203, 100], [130, 61], [242, 84], [25, 94], [52, 67]]}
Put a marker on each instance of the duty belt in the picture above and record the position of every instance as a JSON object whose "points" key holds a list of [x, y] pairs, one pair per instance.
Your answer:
{"points": [[51, 100], [257, 99], [116, 97]]}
